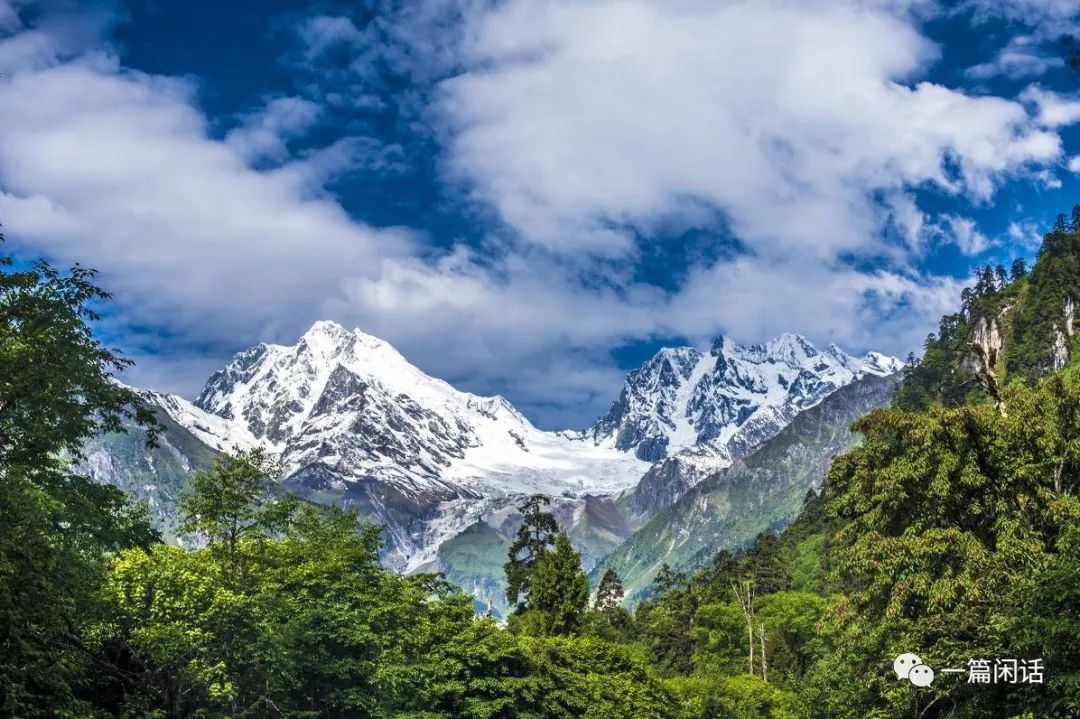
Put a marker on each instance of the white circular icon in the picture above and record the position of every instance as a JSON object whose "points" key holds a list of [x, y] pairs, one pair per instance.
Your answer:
{"points": [[921, 675], [903, 664]]}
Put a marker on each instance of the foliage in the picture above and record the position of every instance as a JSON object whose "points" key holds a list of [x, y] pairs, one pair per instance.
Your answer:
{"points": [[56, 528], [535, 536], [558, 590], [56, 386]]}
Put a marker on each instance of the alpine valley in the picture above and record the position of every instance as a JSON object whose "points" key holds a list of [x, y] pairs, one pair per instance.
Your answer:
{"points": [[353, 423]]}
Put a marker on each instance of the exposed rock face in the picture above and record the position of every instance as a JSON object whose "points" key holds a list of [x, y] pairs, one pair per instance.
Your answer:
{"points": [[733, 397], [986, 344], [1062, 339], [695, 413]]}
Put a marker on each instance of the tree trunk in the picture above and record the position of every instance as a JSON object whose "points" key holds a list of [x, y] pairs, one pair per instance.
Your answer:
{"points": [[747, 603], [764, 661]]}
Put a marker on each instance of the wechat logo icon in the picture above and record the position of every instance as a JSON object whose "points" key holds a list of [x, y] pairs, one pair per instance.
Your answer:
{"points": [[909, 666]]}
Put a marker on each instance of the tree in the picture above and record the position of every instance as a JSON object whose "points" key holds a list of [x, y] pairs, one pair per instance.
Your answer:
{"points": [[56, 379], [1002, 279], [1018, 270], [764, 565], [56, 390], [609, 594], [666, 621], [985, 284], [559, 590], [667, 579], [935, 509], [586, 678], [534, 537], [232, 502]]}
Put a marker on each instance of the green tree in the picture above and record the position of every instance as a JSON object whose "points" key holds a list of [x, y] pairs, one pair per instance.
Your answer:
{"points": [[234, 501], [587, 678], [609, 593], [534, 537], [559, 590], [56, 390], [734, 697], [765, 566], [665, 621], [56, 379]]}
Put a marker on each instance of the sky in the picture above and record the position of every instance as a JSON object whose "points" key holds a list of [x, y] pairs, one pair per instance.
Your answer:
{"points": [[531, 198]]}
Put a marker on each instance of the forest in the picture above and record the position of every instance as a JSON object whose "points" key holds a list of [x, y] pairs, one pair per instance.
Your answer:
{"points": [[952, 531]]}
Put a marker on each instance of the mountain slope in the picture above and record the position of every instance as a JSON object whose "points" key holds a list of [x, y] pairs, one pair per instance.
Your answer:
{"points": [[350, 405], [761, 492], [694, 413], [1012, 326], [156, 477]]}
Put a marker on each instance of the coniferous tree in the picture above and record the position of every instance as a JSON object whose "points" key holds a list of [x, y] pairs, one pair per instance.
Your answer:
{"points": [[1018, 270], [764, 565], [559, 589], [609, 594], [667, 579], [534, 537]]}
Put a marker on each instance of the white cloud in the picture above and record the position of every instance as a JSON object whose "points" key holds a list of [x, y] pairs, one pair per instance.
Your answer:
{"points": [[1074, 163], [1025, 233], [1052, 109], [576, 122], [323, 33], [580, 117], [1022, 57], [1053, 17], [115, 167], [963, 232], [263, 135]]}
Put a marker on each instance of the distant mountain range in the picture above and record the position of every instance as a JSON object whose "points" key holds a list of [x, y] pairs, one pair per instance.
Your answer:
{"points": [[354, 423]]}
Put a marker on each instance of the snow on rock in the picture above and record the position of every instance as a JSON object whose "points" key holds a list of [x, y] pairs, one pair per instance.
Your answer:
{"points": [[341, 408], [694, 413], [352, 403]]}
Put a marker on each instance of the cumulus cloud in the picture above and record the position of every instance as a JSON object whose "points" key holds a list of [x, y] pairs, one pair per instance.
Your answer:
{"points": [[1052, 109], [263, 135], [964, 233], [106, 164], [583, 127], [584, 117], [1025, 233]]}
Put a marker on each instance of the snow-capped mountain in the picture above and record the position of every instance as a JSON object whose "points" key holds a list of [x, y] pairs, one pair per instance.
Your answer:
{"points": [[353, 422], [730, 399], [352, 405]]}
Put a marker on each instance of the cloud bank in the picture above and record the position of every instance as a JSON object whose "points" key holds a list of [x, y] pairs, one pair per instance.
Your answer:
{"points": [[584, 129]]}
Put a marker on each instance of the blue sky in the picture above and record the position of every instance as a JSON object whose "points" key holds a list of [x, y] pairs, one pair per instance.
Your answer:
{"points": [[530, 198]]}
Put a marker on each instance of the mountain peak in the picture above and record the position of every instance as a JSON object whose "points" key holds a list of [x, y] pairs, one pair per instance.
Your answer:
{"points": [[790, 345], [731, 404], [329, 334]]}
